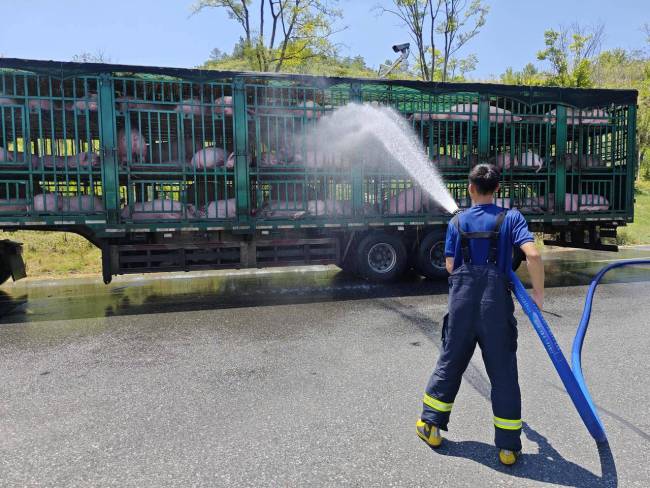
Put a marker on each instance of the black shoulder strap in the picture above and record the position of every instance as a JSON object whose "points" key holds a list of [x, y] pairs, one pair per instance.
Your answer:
{"points": [[494, 239], [493, 235]]}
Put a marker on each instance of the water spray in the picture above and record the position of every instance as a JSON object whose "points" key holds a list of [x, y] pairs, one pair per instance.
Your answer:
{"points": [[572, 377]]}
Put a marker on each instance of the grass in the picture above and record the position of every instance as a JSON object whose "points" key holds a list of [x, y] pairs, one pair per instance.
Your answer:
{"points": [[59, 254], [56, 254], [639, 231]]}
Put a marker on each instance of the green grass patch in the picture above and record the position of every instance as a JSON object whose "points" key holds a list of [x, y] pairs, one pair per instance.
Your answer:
{"points": [[56, 254], [639, 231]]}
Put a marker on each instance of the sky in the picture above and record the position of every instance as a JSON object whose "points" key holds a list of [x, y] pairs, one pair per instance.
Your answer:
{"points": [[164, 33]]}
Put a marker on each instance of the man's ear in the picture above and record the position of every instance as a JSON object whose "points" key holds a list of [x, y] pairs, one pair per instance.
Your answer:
{"points": [[496, 190]]}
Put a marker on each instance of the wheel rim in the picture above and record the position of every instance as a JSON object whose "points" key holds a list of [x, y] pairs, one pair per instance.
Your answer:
{"points": [[382, 258], [437, 255]]}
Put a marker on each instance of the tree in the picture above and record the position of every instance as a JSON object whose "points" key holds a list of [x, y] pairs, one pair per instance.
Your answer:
{"points": [[455, 22], [98, 56], [283, 32], [571, 51]]}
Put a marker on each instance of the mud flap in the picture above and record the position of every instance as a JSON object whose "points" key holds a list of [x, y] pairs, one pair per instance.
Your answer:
{"points": [[11, 256]]}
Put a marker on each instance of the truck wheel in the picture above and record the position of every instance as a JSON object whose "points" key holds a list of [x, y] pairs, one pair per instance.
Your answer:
{"points": [[518, 257], [381, 257], [431, 256]]}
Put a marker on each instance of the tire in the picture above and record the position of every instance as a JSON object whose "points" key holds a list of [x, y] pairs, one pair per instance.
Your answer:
{"points": [[431, 256], [381, 257], [518, 257]]}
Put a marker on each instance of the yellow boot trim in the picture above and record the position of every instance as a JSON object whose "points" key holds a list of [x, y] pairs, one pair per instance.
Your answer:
{"points": [[437, 404], [428, 433]]}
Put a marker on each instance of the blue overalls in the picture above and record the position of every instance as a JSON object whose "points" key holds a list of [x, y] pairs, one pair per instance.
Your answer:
{"points": [[480, 310]]}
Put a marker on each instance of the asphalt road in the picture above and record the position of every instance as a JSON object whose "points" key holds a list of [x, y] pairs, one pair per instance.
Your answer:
{"points": [[302, 379]]}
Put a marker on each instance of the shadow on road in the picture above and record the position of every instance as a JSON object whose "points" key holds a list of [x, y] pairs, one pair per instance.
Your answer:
{"points": [[547, 465]]}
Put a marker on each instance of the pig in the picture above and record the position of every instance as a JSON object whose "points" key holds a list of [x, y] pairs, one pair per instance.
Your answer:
{"points": [[309, 109], [89, 103], [13, 206], [131, 103], [221, 209], [308, 159], [586, 161], [268, 160], [446, 160], [278, 209], [329, 207], [212, 157], [5, 101], [47, 202], [87, 160], [36, 105], [156, 210], [423, 116], [223, 106], [5, 155], [190, 106], [469, 111], [138, 145], [406, 201], [529, 159], [82, 203], [588, 202], [525, 204], [575, 116]]}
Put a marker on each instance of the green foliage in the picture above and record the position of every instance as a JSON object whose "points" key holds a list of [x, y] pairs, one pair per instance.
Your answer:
{"points": [[277, 35], [571, 53]]}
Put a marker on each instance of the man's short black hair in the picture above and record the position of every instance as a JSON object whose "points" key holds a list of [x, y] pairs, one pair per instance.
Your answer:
{"points": [[485, 177]]}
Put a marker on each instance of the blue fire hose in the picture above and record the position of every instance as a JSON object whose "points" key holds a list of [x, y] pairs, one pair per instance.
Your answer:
{"points": [[573, 379]]}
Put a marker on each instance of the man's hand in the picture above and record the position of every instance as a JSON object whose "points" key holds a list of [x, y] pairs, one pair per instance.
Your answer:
{"points": [[535, 270]]}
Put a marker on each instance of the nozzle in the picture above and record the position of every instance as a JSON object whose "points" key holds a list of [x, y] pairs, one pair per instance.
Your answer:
{"points": [[456, 212]]}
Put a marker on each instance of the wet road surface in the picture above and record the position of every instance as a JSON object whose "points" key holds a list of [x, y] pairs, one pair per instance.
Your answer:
{"points": [[303, 378]]}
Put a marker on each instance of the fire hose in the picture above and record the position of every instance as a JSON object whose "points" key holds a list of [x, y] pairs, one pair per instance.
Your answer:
{"points": [[572, 377]]}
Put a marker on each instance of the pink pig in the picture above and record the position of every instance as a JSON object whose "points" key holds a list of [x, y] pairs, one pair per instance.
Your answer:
{"points": [[406, 201], [14, 206], [4, 101], [307, 109], [221, 209], [82, 203], [223, 105], [36, 105], [587, 202], [329, 207], [469, 111], [190, 106], [575, 116], [47, 202], [212, 157], [156, 210], [138, 145], [89, 103]]}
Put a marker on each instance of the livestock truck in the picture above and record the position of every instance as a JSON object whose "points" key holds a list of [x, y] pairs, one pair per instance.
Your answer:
{"points": [[187, 169]]}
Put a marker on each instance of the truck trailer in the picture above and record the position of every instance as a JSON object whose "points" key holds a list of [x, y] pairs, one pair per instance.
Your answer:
{"points": [[168, 169]]}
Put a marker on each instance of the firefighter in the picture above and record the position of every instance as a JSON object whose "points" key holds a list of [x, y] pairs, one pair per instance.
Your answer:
{"points": [[478, 253]]}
